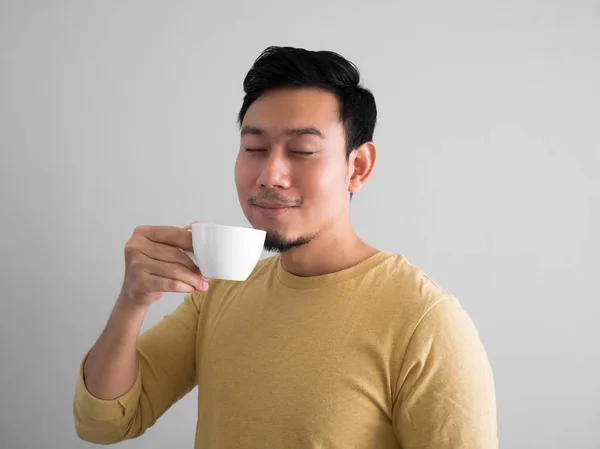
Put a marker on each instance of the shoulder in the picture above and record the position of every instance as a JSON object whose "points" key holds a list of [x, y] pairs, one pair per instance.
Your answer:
{"points": [[409, 285], [430, 312]]}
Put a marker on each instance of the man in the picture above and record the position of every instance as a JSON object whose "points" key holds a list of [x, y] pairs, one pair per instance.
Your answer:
{"points": [[330, 343]]}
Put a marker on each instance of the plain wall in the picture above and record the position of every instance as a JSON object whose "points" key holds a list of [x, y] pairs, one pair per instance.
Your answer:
{"points": [[115, 114]]}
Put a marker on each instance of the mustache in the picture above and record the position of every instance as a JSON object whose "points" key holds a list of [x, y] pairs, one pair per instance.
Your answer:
{"points": [[274, 196]]}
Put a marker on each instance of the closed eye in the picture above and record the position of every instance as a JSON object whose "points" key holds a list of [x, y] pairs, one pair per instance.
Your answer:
{"points": [[300, 153]]}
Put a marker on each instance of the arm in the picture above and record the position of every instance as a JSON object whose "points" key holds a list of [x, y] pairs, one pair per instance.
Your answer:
{"points": [[154, 371], [445, 390], [126, 383], [111, 367]]}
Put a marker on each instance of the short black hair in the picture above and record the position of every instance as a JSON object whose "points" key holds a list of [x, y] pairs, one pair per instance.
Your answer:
{"points": [[290, 67]]}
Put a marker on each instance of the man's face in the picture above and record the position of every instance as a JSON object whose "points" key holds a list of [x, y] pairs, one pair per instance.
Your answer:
{"points": [[291, 172]]}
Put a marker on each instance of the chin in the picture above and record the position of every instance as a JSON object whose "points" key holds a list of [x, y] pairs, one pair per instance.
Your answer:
{"points": [[279, 242]]}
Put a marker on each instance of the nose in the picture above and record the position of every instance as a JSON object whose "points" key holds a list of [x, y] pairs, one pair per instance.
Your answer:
{"points": [[275, 172]]}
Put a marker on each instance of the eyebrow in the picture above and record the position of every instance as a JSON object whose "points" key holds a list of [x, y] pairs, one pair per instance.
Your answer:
{"points": [[309, 131]]}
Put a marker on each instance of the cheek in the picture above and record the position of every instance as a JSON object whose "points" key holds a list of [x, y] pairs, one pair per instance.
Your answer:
{"points": [[242, 175], [321, 183], [329, 177]]}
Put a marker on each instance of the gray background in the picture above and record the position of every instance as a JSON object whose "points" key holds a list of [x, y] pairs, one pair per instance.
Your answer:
{"points": [[120, 113]]}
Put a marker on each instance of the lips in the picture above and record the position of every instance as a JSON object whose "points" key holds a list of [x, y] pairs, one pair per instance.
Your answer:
{"points": [[274, 205], [272, 209]]}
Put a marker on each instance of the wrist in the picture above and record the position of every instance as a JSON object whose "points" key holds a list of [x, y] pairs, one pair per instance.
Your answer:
{"points": [[127, 308]]}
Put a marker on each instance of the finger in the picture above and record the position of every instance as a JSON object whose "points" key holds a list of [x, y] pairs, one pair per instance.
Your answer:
{"points": [[189, 227], [169, 235], [176, 272], [165, 253], [162, 284]]}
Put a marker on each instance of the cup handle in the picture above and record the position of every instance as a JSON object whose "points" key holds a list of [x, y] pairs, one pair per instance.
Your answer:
{"points": [[191, 254]]}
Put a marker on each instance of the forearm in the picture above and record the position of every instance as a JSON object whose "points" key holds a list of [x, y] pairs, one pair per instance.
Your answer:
{"points": [[111, 367]]}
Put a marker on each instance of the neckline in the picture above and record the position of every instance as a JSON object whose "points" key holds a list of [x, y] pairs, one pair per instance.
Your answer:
{"points": [[311, 282]]}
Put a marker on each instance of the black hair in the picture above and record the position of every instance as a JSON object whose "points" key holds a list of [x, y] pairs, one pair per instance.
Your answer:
{"points": [[289, 67]]}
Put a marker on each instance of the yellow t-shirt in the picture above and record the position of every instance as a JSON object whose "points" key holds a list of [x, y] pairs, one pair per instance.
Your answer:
{"points": [[374, 356]]}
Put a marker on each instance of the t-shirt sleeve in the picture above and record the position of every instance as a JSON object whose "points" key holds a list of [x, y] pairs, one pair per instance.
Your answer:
{"points": [[445, 389], [167, 371]]}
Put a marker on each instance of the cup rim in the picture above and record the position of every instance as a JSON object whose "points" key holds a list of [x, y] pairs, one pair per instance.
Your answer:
{"points": [[237, 228]]}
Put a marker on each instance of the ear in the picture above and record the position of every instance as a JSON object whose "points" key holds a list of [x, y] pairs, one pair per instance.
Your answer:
{"points": [[360, 165]]}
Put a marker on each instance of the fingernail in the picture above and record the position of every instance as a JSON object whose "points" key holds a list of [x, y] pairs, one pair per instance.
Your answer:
{"points": [[204, 286]]}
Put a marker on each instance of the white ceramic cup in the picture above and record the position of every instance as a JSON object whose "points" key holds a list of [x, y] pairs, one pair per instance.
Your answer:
{"points": [[226, 252]]}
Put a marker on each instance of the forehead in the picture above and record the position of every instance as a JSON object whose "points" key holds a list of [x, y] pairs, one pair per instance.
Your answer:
{"points": [[281, 109]]}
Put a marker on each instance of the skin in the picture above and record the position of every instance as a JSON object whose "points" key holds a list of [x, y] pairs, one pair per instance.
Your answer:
{"points": [[278, 168]]}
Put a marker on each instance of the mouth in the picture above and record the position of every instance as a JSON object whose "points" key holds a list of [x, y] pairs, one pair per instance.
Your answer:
{"points": [[272, 210]]}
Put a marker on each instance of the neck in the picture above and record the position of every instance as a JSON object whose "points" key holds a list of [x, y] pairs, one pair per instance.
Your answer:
{"points": [[331, 251]]}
